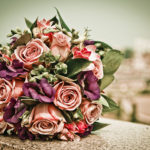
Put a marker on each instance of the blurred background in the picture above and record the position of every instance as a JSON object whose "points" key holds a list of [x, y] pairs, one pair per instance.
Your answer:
{"points": [[124, 24]]}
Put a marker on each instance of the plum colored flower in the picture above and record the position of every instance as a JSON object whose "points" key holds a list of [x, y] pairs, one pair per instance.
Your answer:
{"points": [[88, 82], [43, 91], [13, 70], [88, 42], [23, 132], [46, 119], [68, 96], [60, 46], [13, 111], [90, 110], [13, 40], [30, 53], [87, 52]]}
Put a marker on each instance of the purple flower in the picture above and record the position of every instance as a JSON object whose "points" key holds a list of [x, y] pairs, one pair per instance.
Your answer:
{"points": [[88, 82], [13, 111], [43, 91], [23, 132], [88, 42], [10, 71], [87, 132], [14, 39]]}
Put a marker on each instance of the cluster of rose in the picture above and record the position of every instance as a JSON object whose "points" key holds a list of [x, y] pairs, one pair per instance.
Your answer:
{"points": [[52, 81]]}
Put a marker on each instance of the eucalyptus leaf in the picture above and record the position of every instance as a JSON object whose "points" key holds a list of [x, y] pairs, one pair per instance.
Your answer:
{"points": [[112, 104], [76, 65], [63, 24], [107, 80], [98, 125], [112, 61]]}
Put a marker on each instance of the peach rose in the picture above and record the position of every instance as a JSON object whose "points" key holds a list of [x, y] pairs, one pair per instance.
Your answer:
{"points": [[60, 45], [30, 53], [68, 96], [90, 110], [9, 90], [46, 119]]}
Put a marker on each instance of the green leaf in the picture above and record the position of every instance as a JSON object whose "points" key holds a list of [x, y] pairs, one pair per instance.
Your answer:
{"points": [[63, 24], [31, 25], [76, 65], [23, 40], [98, 125], [77, 114], [107, 80], [112, 105], [28, 101], [63, 78], [55, 20], [66, 116], [112, 61], [102, 45], [28, 23], [103, 101]]}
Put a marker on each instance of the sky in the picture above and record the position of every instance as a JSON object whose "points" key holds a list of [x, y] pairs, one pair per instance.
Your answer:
{"points": [[116, 22]]}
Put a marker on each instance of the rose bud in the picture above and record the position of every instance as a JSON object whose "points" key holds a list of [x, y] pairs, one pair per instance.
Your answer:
{"points": [[8, 90], [68, 96], [90, 110], [66, 135], [46, 119], [60, 46], [77, 127], [30, 53]]}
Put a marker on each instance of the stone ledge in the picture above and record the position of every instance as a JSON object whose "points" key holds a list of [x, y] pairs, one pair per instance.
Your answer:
{"points": [[119, 135]]}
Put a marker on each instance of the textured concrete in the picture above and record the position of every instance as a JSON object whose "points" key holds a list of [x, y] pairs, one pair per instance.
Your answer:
{"points": [[117, 136]]}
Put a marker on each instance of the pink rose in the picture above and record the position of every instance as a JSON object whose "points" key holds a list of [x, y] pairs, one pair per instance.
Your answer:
{"points": [[3, 124], [60, 45], [46, 119], [8, 90], [68, 96], [30, 53], [66, 135], [90, 110], [87, 53]]}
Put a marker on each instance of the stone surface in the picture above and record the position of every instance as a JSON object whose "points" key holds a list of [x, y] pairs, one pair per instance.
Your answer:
{"points": [[117, 136]]}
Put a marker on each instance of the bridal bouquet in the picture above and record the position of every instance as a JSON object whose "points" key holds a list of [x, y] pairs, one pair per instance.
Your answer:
{"points": [[52, 81]]}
